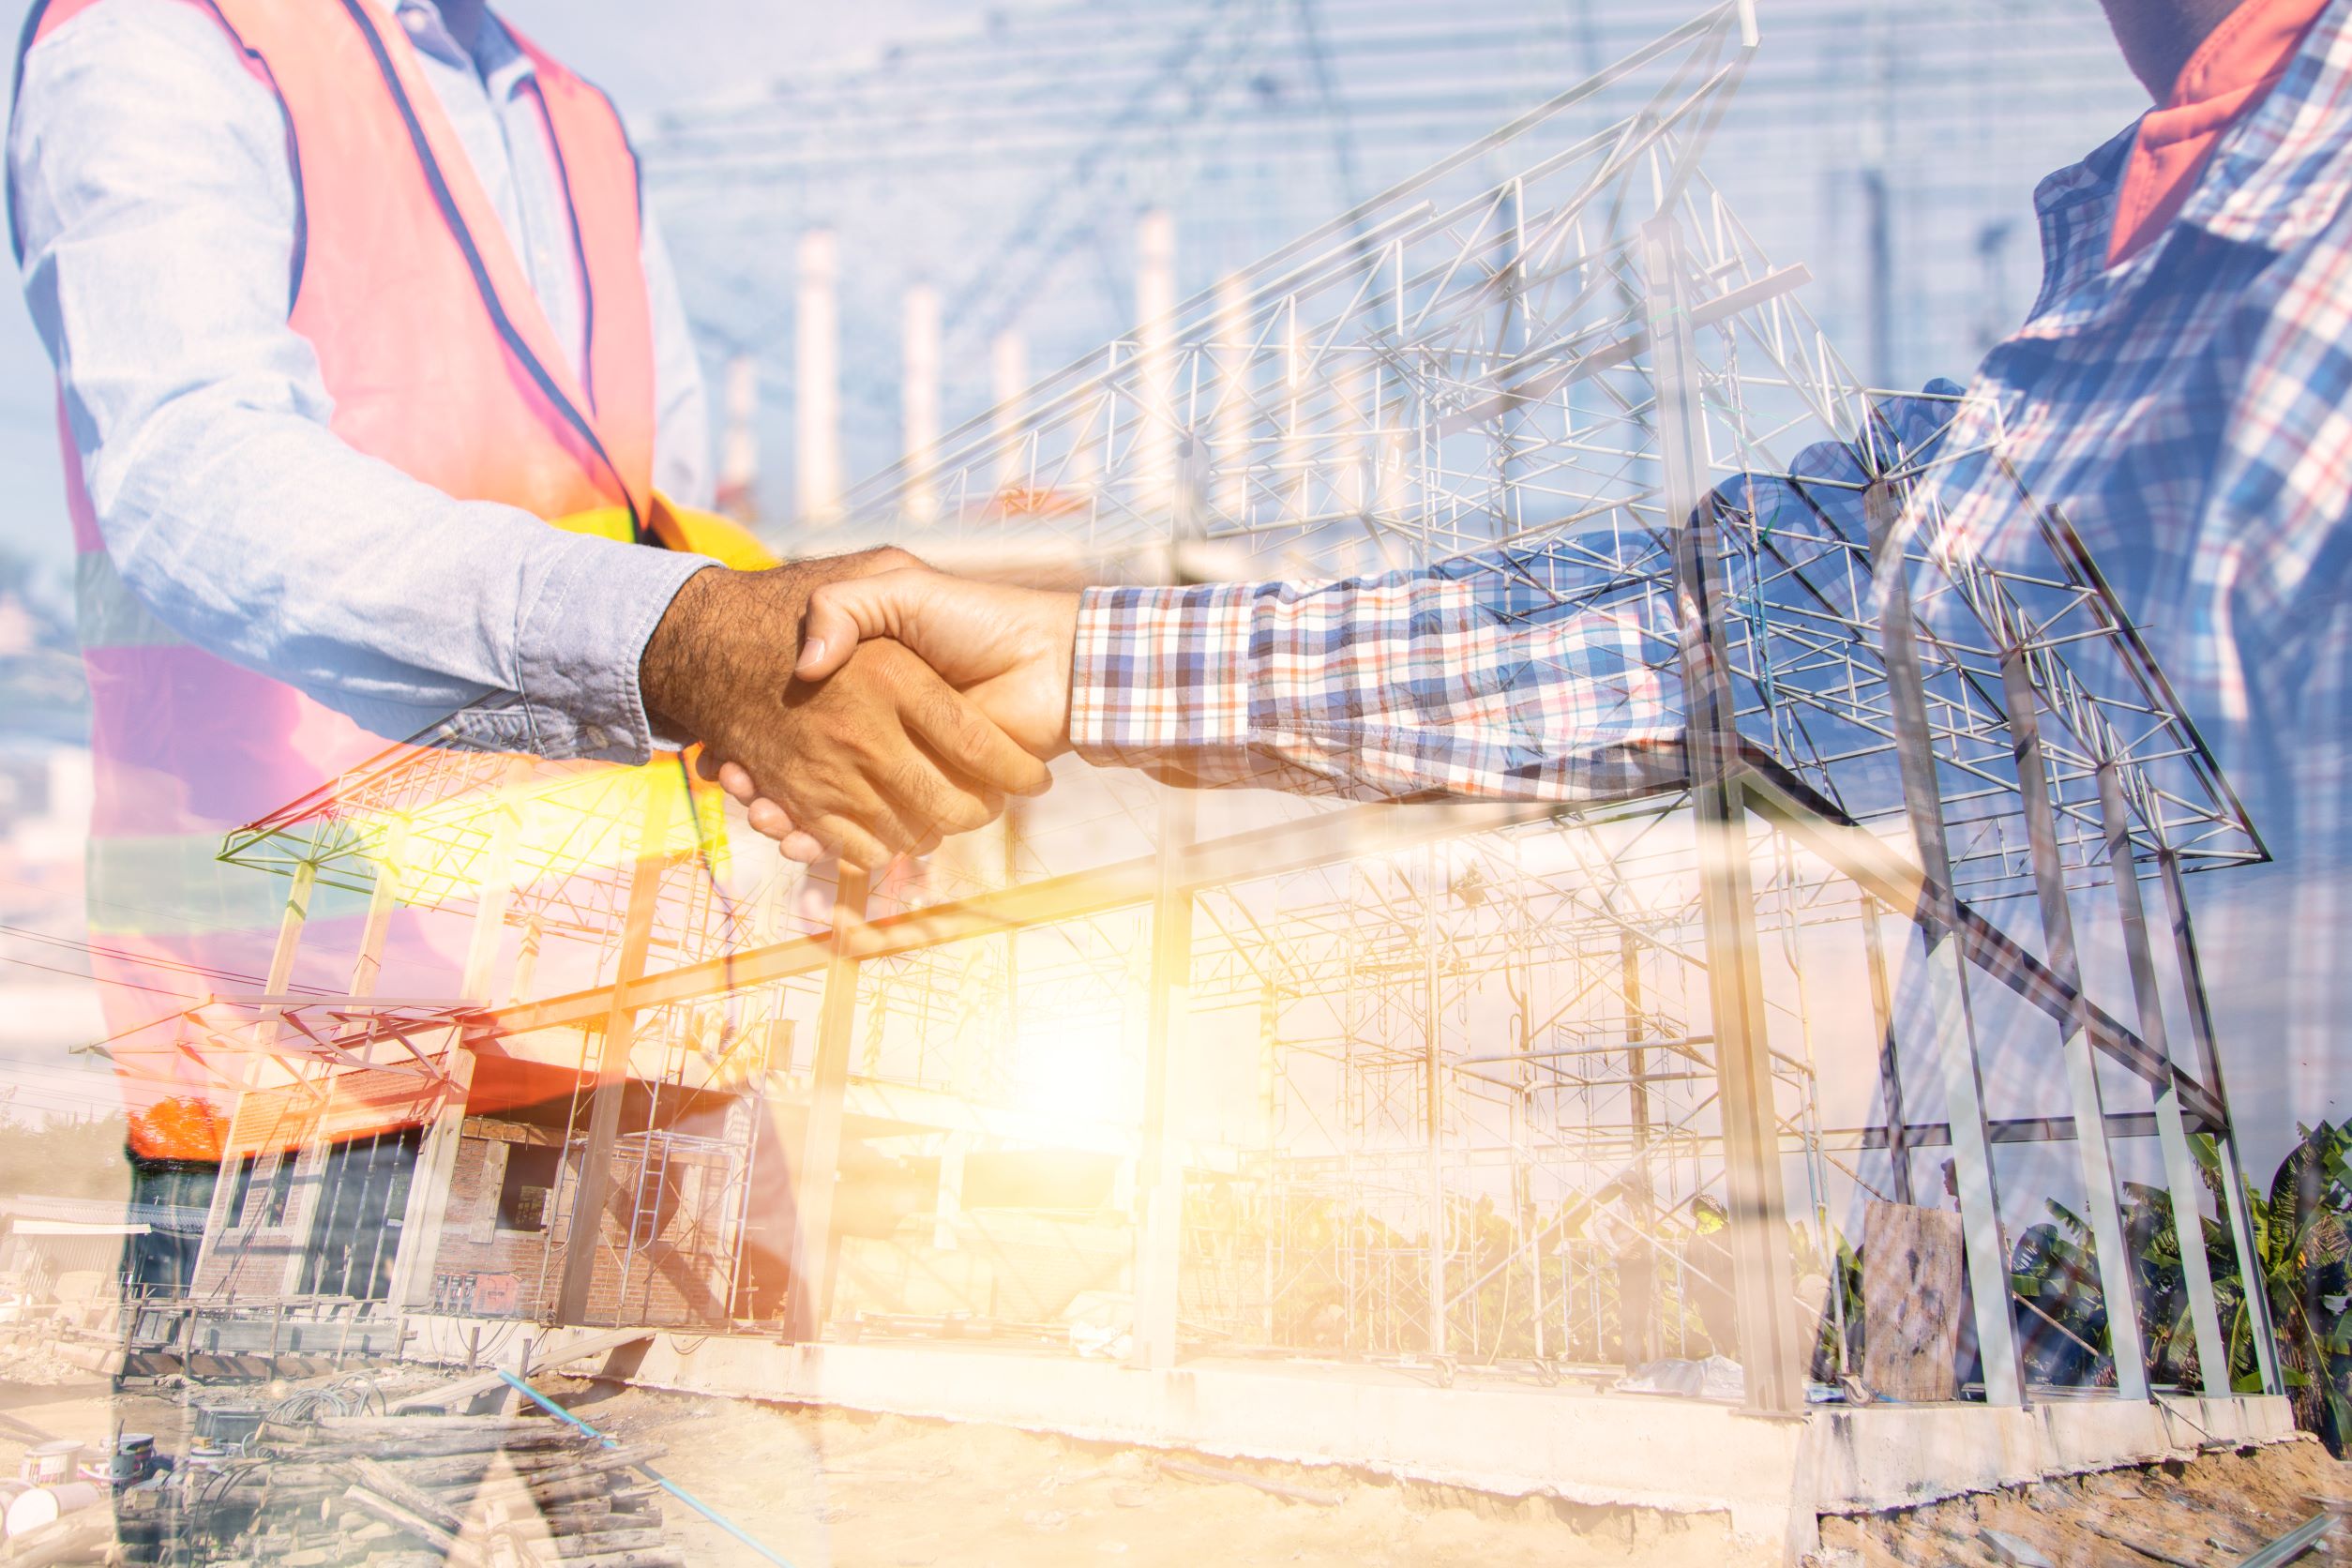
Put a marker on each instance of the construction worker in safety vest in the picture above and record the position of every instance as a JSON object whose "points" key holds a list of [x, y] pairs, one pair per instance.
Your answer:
{"points": [[349, 300]]}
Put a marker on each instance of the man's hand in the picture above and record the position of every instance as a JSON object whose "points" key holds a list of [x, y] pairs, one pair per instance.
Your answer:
{"points": [[1007, 649], [881, 758]]}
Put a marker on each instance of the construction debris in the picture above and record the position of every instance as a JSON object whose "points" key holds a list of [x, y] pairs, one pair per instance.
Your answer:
{"points": [[322, 1478]]}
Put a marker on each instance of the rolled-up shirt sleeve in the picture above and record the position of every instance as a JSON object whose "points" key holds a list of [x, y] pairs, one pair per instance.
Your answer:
{"points": [[156, 211]]}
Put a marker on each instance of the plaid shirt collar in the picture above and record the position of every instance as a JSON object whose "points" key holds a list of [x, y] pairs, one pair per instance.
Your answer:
{"points": [[2276, 180]]}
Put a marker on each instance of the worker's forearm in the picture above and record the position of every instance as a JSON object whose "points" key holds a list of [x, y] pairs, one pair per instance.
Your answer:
{"points": [[266, 540], [1477, 679]]}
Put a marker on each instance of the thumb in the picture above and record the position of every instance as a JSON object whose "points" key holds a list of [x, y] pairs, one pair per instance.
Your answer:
{"points": [[841, 613]]}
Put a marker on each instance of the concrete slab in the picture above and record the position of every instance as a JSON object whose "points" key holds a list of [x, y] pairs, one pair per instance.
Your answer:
{"points": [[1770, 1477]]}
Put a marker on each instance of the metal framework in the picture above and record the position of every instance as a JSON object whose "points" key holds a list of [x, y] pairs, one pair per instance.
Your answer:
{"points": [[1780, 963], [1000, 166]]}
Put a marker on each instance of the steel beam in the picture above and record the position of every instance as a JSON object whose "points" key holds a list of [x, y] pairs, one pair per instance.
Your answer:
{"points": [[2172, 1133], [1285, 847], [1771, 1353], [2225, 1133], [1938, 919], [2100, 1198]]}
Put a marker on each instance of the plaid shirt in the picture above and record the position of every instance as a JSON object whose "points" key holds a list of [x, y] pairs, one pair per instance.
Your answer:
{"points": [[2190, 410], [1479, 676]]}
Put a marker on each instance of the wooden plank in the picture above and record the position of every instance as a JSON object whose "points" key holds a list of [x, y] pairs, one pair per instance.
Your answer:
{"points": [[1913, 1266]]}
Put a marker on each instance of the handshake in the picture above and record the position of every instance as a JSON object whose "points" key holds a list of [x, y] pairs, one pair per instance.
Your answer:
{"points": [[863, 706]]}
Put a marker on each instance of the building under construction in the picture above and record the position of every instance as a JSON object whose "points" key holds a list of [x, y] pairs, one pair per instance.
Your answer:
{"points": [[1354, 1131]]}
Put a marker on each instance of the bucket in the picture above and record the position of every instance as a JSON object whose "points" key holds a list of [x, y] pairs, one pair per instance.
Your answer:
{"points": [[49, 1463], [45, 1505]]}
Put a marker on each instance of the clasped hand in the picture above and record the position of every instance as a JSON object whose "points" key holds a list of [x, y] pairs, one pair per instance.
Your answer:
{"points": [[911, 706]]}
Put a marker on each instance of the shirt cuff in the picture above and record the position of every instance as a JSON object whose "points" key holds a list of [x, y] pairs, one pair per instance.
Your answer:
{"points": [[1161, 676], [580, 641]]}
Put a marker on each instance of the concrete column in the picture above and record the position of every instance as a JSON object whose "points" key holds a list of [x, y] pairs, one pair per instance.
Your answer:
{"points": [[918, 401], [1008, 385], [1433, 1103], [1294, 478], [2100, 1198], [582, 1235], [1771, 1353], [1155, 354], [810, 1301], [2233, 1176], [817, 381], [951, 1190], [383, 899], [1160, 1173], [1236, 404], [738, 488], [2172, 1131]]}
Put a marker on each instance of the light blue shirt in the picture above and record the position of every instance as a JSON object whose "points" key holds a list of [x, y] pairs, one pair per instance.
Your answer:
{"points": [[158, 210]]}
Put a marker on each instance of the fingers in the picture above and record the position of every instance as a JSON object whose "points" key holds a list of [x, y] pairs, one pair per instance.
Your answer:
{"points": [[967, 740], [840, 615]]}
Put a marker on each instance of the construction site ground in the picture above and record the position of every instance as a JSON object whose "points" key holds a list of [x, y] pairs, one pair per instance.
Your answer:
{"points": [[834, 1487]]}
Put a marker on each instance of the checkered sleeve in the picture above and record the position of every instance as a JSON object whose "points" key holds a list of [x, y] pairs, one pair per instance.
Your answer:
{"points": [[1486, 677]]}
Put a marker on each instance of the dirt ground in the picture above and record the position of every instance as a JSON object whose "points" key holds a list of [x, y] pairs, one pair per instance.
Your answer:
{"points": [[2207, 1512], [833, 1489]]}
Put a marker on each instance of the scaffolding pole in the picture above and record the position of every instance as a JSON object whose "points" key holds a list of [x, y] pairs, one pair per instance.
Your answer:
{"points": [[817, 1175], [1938, 919], [1766, 1288], [2111, 1250], [2231, 1171]]}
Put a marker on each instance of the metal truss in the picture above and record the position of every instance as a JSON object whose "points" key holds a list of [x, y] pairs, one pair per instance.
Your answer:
{"points": [[1556, 357]]}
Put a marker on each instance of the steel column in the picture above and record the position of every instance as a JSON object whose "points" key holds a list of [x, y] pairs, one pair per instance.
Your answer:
{"points": [[2100, 1198], [1937, 918], [281, 961], [437, 1152], [2233, 1176], [1771, 1353], [2172, 1133], [818, 1171]]}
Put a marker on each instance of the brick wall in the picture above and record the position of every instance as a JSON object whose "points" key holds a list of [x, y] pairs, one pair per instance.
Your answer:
{"points": [[677, 1274]]}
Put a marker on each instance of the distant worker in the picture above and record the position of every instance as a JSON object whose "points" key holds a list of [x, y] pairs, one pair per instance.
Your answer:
{"points": [[1624, 1232], [349, 301]]}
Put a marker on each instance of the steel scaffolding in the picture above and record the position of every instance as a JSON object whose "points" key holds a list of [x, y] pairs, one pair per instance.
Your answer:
{"points": [[1464, 1083]]}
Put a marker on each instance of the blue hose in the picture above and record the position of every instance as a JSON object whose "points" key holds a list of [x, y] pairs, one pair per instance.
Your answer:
{"points": [[647, 1470]]}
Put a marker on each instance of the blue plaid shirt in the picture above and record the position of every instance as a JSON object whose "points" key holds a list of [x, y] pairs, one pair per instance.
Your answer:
{"points": [[2190, 410]]}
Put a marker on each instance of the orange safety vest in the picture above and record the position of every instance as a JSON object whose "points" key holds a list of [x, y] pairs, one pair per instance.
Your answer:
{"points": [[441, 362]]}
